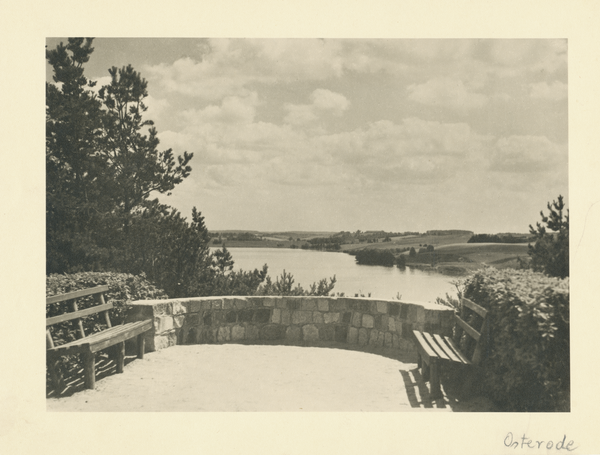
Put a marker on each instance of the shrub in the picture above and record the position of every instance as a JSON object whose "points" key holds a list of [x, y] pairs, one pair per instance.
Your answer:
{"points": [[527, 365]]}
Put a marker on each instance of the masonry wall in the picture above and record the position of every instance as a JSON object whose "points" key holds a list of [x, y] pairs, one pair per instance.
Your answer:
{"points": [[301, 321]]}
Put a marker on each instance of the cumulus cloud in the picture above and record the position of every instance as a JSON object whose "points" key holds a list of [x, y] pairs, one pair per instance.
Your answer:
{"points": [[446, 92], [556, 91], [525, 154], [323, 101], [232, 110]]}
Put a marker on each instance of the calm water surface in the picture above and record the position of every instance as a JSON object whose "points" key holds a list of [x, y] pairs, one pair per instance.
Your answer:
{"points": [[381, 282]]}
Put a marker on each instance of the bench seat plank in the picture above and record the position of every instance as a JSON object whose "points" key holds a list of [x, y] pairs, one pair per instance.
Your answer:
{"points": [[434, 345], [424, 347], [442, 343], [101, 340], [457, 351]]}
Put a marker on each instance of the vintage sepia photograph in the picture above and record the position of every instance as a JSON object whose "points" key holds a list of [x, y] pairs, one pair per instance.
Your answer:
{"points": [[300, 228], [307, 225]]}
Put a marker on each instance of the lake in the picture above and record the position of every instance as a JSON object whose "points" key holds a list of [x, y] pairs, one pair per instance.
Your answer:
{"points": [[308, 266]]}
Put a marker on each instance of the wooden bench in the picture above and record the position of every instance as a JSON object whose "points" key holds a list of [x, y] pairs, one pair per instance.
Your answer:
{"points": [[464, 348], [87, 346]]}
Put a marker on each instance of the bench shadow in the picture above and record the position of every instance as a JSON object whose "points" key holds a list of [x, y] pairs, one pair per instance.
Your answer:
{"points": [[418, 391], [74, 378], [453, 397]]}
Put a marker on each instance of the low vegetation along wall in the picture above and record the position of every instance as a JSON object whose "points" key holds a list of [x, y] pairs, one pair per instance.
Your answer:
{"points": [[301, 321]]}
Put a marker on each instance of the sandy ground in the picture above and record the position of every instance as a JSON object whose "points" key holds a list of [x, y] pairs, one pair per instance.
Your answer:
{"points": [[261, 378]]}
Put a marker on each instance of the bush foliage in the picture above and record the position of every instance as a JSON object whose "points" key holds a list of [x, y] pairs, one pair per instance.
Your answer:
{"points": [[527, 362]]}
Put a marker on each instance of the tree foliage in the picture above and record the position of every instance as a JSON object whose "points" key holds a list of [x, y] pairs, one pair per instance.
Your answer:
{"points": [[550, 253], [129, 144], [102, 165]]}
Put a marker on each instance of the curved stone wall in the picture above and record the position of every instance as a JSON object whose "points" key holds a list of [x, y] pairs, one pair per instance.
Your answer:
{"points": [[302, 321]]}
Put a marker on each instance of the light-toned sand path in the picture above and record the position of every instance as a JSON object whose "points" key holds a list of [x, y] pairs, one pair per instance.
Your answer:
{"points": [[256, 378]]}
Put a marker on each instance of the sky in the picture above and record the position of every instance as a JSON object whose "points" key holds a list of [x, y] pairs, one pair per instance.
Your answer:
{"points": [[346, 134]]}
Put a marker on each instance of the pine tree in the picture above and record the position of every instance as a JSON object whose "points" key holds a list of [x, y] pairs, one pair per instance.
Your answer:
{"points": [[550, 253]]}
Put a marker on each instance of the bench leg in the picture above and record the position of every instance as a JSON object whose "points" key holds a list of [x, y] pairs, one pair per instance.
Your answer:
{"points": [[434, 382], [425, 368], [89, 369], [56, 377], [120, 356], [141, 346]]}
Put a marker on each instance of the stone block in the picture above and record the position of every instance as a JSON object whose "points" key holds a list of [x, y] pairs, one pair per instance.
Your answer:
{"points": [[378, 321], [216, 304], [309, 304], [161, 309], [293, 333], [432, 316], [179, 321], [240, 303], [193, 305], [276, 316], [340, 333], [251, 332], [191, 335], [254, 301], [380, 339], [407, 329], [223, 334], [317, 317], [368, 321], [394, 309], [178, 308], [245, 315], [230, 317], [301, 317], [310, 333], [165, 340], [356, 319], [326, 333], [404, 311], [238, 333], [192, 319], [206, 304], [346, 317], [384, 322], [281, 303], [163, 324], [419, 312], [364, 306], [338, 304], [391, 324], [271, 332], [228, 303], [331, 318], [387, 342], [262, 316], [286, 316], [395, 341], [323, 304], [208, 335], [382, 307], [352, 335], [293, 303], [270, 301], [373, 337], [363, 337]]}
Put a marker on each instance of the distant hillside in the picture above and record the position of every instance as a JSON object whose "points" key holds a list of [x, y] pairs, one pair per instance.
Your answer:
{"points": [[449, 232]]}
